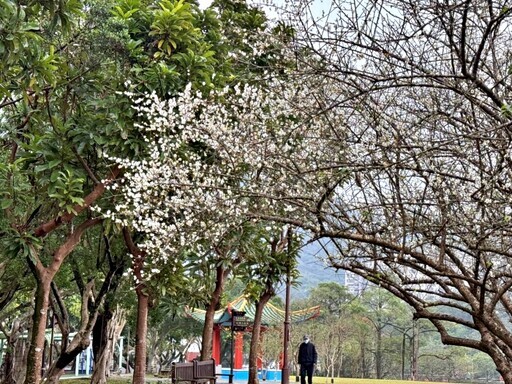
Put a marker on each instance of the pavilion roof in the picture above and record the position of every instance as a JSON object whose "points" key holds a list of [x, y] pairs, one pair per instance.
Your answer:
{"points": [[272, 315]]}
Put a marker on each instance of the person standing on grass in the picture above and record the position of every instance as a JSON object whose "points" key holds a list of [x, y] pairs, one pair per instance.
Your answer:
{"points": [[307, 360]]}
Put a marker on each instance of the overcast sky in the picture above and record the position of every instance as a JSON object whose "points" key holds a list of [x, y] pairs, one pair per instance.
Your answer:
{"points": [[204, 3]]}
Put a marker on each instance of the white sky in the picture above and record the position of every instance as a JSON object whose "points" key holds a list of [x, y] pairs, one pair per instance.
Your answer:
{"points": [[203, 4], [316, 6]]}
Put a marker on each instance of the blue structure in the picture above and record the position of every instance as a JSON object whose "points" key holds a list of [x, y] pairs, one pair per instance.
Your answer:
{"points": [[243, 374]]}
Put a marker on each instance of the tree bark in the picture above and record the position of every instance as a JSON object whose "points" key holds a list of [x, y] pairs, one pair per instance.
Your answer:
{"points": [[362, 346], [100, 346], [207, 340], [255, 338], [44, 277], [139, 371], [415, 350], [37, 339], [108, 329], [79, 343], [378, 353], [8, 365], [11, 368]]}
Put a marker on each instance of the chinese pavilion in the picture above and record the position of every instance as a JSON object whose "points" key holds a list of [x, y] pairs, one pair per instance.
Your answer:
{"points": [[272, 316]]}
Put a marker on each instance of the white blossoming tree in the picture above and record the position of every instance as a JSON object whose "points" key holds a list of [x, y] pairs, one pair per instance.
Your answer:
{"points": [[245, 49], [210, 159]]}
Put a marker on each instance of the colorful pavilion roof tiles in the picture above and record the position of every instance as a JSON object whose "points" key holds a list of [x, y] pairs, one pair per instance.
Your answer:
{"points": [[272, 315]]}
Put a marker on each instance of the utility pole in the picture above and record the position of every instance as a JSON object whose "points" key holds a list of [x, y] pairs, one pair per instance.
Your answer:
{"points": [[285, 371], [230, 380]]}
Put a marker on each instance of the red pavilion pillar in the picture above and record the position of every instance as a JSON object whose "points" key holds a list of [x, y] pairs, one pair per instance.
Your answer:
{"points": [[216, 344], [239, 350]]}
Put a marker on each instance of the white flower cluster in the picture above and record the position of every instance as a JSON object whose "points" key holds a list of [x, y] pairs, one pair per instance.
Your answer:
{"points": [[217, 160]]}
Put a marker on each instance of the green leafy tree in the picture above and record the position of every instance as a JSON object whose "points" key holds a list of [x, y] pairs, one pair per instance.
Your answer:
{"points": [[170, 333], [272, 259], [382, 309], [333, 328], [202, 69], [60, 112]]}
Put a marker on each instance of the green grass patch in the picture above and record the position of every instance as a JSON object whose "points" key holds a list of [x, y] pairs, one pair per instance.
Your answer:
{"points": [[124, 379], [323, 380], [87, 380]]}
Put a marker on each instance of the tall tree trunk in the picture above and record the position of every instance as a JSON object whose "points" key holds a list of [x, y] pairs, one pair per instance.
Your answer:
{"points": [[107, 331], [100, 337], [415, 351], [109, 324], [139, 371], [44, 277], [207, 340], [37, 337], [20, 359], [255, 338], [402, 370], [362, 345], [10, 367], [378, 353]]}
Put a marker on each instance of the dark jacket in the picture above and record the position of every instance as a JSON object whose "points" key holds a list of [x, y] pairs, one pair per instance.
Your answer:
{"points": [[307, 353]]}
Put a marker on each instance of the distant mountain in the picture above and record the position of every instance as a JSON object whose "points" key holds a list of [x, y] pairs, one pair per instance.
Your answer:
{"points": [[313, 272]]}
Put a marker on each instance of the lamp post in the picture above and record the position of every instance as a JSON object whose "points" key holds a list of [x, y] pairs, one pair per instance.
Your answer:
{"points": [[285, 371], [232, 348]]}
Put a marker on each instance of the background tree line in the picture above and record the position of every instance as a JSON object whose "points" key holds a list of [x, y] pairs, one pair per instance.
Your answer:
{"points": [[373, 335]]}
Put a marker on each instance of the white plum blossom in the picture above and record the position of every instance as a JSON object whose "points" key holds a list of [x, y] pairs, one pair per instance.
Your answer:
{"points": [[219, 159]]}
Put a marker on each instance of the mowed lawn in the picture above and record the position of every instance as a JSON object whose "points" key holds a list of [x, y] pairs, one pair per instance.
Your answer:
{"points": [[323, 380], [316, 380]]}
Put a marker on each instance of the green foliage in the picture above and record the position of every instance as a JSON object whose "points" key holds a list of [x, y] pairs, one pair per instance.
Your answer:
{"points": [[67, 189], [173, 24], [506, 110], [333, 299], [268, 260], [29, 57], [22, 245]]}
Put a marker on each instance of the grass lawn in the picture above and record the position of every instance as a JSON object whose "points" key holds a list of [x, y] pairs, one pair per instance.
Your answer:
{"points": [[323, 380], [316, 380]]}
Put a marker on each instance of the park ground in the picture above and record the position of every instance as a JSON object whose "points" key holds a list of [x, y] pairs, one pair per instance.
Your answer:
{"points": [[316, 380]]}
